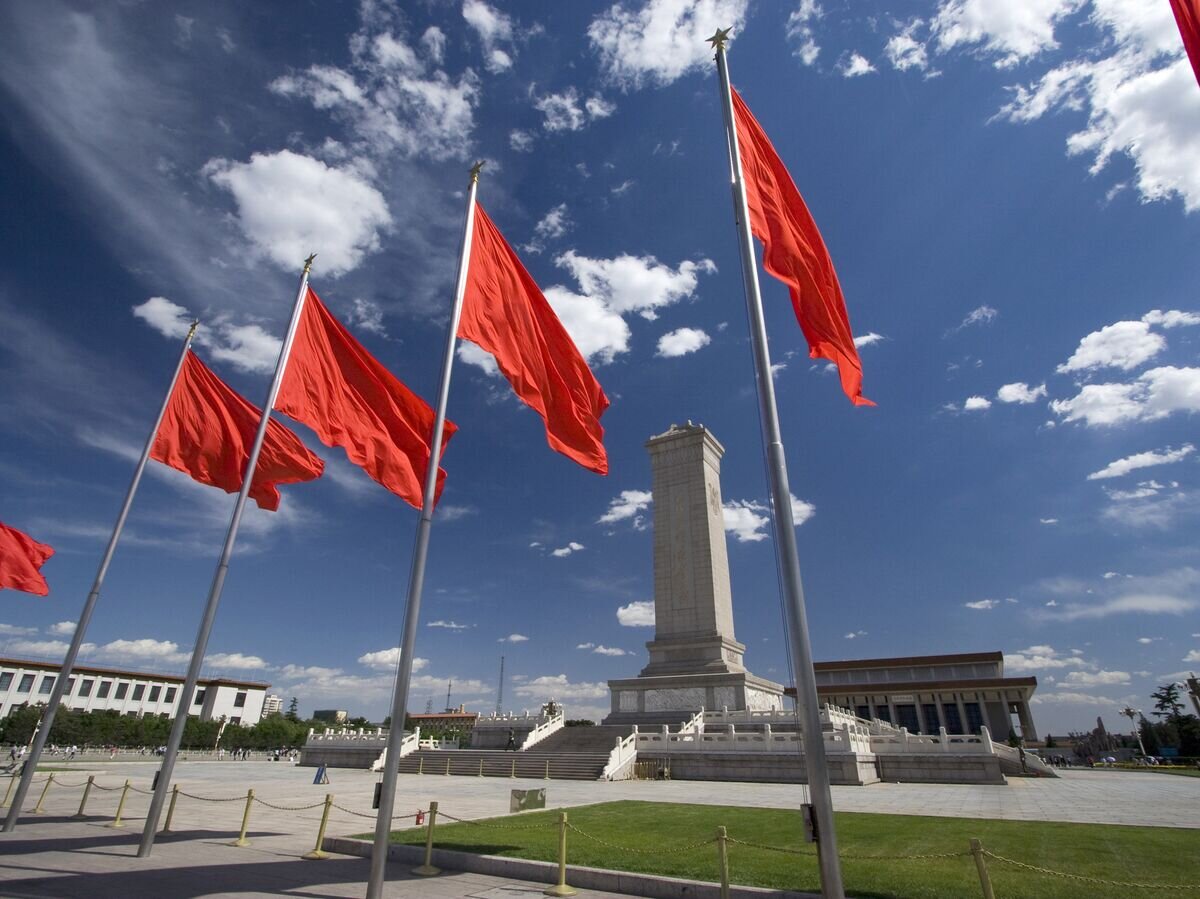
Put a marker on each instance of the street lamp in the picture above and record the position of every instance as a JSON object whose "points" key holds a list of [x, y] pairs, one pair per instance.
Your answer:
{"points": [[1132, 713]]}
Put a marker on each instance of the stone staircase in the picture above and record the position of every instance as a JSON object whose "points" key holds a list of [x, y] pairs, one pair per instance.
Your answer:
{"points": [[573, 753]]}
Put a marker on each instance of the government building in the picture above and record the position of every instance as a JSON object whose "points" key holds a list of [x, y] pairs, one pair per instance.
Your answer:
{"points": [[133, 693]]}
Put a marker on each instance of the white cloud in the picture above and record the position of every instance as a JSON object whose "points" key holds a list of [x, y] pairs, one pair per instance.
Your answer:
{"points": [[449, 625], [855, 65], [800, 32], [976, 403], [599, 332], [51, 649], [1171, 319], [1072, 698], [904, 51], [1130, 603], [1193, 656], [1013, 32], [629, 505], [802, 510], [1048, 520], [142, 650], [289, 205], [1145, 641], [521, 141], [623, 187], [388, 659], [1020, 392], [555, 223], [472, 354], [514, 638], [1123, 345], [1140, 99], [609, 651], [1040, 657], [367, 316], [12, 630], [1155, 394], [637, 614], [661, 41], [564, 551], [746, 520], [62, 629], [585, 645], [433, 42], [868, 339], [557, 686], [235, 661], [983, 315], [982, 604], [1141, 460], [563, 111], [638, 284], [1086, 679], [682, 341], [246, 347], [854, 635], [493, 28]]}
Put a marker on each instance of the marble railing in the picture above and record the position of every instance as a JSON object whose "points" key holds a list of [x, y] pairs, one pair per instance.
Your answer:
{"points": [[543, 730], [511, 719], [727, 738], [902, 742], [347, 736], [622, 757]]}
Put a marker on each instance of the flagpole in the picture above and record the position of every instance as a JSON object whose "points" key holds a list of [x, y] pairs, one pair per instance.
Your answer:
{"points": [[416, 580], [214, 593], [785, 531], [85, 616]]}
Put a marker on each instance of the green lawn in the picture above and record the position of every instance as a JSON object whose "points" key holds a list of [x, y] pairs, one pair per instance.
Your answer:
{"points": [[650, 834]]}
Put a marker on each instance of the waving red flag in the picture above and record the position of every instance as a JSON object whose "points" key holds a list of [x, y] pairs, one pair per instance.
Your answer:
{"points": [[20, 558], [333, 385], [794, 252], [506, 314], [1187, 14], [207, 432]]}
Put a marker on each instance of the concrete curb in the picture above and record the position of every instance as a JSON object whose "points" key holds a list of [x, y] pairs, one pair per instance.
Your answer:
{"points": [[651, 886]]}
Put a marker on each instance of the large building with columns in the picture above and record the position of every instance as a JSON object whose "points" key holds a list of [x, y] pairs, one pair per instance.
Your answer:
{"points": [[962, 692]]}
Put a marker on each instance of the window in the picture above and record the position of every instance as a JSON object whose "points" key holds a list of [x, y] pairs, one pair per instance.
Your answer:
{"points": [[85, 688], [170, 697], [70, 686], [882, 713], [122, 689], [6, 680], [154, 693], [906, 717], [863, 711], [974, 717], [105, 686], [929, 712], [199, 700], [26, 683], [139, 690], [239, 701], [235, 720], [953, 719], [46, 687]]}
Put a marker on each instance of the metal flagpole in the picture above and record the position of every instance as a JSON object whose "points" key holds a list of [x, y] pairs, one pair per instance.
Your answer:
{"points": [[785, 530], [214, 594], [416, 579], [64, 674]]}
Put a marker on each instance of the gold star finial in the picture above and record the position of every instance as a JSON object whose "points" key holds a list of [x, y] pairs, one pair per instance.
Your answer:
{"points": [[475, 171], [718, 40], [308, 263], [192, 329]]}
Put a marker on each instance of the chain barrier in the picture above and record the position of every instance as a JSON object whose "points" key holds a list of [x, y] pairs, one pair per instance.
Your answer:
{"points": [[783, 849], [1178, 887], [143, 792], [442, 814], [107, 789], [289, 808], [655, 851], [213, 798], [59, 783]]}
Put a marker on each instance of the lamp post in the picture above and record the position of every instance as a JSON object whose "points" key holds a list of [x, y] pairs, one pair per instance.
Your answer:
{"points": [[1132, 713]]}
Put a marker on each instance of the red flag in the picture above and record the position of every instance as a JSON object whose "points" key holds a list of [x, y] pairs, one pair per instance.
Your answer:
{"points": [[208, 430], [794, 252], [507, 315], [333, 385], [1187, 14], [20, 558]]}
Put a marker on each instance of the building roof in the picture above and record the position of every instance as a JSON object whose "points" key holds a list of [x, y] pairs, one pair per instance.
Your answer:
{"points": [[959, 658], [125, 672], [429, 716], [926, 686]]}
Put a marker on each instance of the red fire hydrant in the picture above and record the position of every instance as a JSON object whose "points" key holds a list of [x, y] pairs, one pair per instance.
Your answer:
{"points": [[420, 816]]}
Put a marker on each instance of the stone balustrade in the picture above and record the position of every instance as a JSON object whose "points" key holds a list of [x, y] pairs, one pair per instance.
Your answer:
{"points": [[348, 736]]}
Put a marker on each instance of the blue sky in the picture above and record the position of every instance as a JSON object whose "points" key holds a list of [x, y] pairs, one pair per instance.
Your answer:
{"points": [[1009, 193]]}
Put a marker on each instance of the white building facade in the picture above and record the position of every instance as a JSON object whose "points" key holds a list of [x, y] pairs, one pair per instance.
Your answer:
{"points": [[133, 693]]}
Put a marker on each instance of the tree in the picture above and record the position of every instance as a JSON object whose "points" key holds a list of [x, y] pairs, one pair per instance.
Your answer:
{"points": [[293, 712], [1166, 702], [1050, 744]]}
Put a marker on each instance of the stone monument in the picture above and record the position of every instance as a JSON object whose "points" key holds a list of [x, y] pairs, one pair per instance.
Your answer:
{"points": [[695, 660]]}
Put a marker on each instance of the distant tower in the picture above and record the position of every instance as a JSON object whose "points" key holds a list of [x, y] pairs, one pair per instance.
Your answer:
{"points": [[449, 684], [500, 690], [429, 706]]}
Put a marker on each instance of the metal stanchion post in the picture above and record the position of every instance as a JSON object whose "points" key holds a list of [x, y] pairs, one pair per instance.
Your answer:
{"points": [[317, 853], [116, 822], [427, 869], [447, 766], [12, 782], [37, 809], [981, 866], [241, 840], [171, 808], [723, 862], [481, 767], [421, 765], [513, 772], [547, 777], [561, 888], [87, 788]]}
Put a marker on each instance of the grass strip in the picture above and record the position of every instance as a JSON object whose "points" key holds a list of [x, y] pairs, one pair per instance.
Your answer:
{"points": [[879, 852]]}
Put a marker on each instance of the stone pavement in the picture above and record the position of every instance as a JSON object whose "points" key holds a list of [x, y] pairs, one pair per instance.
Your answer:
{"points": [[53, 855]]}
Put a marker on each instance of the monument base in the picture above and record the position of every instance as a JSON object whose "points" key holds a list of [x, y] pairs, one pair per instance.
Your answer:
{"points": [[673, 698]]}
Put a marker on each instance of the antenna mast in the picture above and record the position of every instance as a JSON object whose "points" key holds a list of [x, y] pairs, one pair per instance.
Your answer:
{"points": [[500, 690], [449, 684]]}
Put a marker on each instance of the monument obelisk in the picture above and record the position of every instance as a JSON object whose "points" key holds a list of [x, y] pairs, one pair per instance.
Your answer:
{"points": [[695, 659]]}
